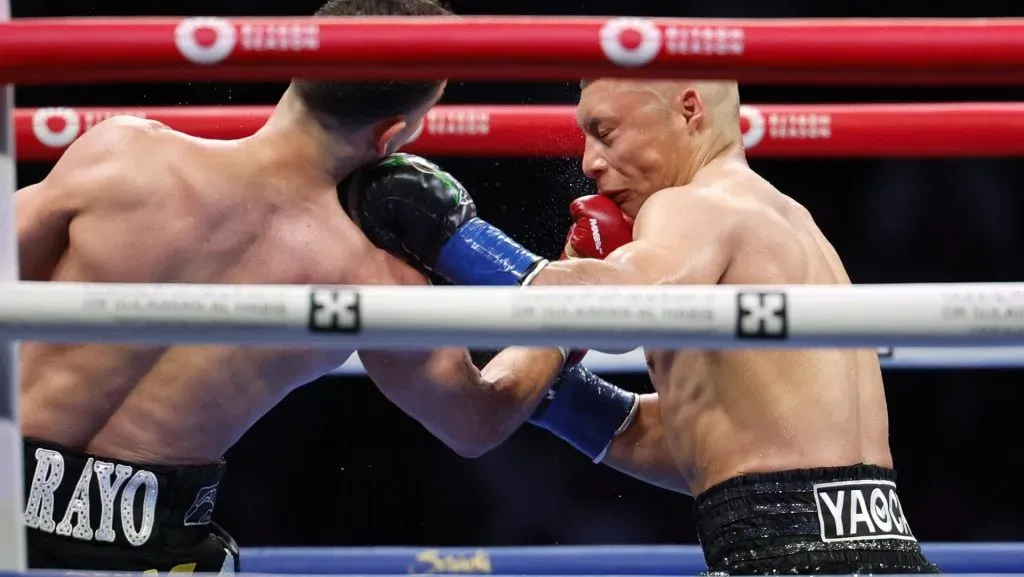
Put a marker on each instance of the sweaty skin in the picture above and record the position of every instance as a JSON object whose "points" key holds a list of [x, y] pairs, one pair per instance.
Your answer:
{"points": [[132, 201], [669, 153]]}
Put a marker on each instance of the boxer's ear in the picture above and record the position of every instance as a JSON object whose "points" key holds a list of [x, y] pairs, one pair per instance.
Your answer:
{"points": [[387, 135], [690, 106]]}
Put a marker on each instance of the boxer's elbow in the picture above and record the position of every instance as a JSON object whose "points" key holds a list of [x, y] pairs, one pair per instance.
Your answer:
{"points": [[472, 449], [497, 413], [480, 412]]}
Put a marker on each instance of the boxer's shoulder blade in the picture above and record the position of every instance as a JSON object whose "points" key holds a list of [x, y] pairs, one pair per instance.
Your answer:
{"points": [[106, 149]]}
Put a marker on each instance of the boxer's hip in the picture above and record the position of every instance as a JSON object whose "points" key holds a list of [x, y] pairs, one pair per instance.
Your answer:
{"points": [[89, 512], [839, 520]]}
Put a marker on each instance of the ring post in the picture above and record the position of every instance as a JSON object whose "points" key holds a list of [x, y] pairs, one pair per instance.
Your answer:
{"points": [[12, 530]]}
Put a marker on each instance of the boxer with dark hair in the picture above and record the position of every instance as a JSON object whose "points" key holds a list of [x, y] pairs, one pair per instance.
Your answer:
{"points": [[124, 444], [786, 451]]}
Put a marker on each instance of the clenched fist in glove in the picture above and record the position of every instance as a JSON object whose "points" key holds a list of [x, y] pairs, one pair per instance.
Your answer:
{"points": [[598, 228], [411, 208]]}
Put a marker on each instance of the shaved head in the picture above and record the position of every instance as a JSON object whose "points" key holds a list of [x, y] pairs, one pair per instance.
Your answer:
{"points": [[721, 98], [643, 135]]}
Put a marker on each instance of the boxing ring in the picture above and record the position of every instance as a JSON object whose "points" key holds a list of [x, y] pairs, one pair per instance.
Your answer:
{"points": [[960, 558], [970, 325]]}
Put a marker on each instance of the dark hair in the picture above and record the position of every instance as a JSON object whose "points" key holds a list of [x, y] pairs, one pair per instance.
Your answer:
{"points": [[360, 104]]}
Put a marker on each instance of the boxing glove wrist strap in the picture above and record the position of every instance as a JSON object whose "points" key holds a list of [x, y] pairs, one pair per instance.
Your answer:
{"points": [[586, 411], [481, 254]]}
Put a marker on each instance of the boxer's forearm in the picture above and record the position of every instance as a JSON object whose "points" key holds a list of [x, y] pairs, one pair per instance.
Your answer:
{"points": [[641, 451], [586, 271], [636, 263], [470, 410], [521, 377]]}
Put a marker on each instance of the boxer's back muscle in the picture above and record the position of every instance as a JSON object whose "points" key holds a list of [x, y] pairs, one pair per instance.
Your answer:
{"points": [[152, 205], [752, 411]]}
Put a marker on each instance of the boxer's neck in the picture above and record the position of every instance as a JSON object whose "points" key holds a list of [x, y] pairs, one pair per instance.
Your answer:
{"points": [[706, 154], [291, 132], [722, 159]]}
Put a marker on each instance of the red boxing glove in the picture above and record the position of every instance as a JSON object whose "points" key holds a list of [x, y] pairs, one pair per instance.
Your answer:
{"points": [[599, 228]]}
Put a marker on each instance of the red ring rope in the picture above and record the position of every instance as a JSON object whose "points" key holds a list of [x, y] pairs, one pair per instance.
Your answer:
{"points": [[903, 51], [782, 130]]}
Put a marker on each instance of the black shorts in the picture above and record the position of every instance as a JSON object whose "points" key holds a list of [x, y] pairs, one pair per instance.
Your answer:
{"points": [[87, 512], [838, 520]]}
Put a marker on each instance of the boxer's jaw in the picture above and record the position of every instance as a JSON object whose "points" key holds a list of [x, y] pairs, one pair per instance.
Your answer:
{"points": [[634, 143]]}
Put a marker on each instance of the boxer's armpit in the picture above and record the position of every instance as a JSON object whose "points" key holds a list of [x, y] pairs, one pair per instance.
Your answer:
{"points": [[641, 451]]}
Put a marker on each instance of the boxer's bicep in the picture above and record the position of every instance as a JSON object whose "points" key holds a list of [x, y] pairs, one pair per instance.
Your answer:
{"points": [[95, 169], [42, 216], [675, 242], [687, 239]]}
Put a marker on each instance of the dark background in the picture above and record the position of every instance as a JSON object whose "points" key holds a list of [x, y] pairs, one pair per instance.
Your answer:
{"points": [[335, 464]]}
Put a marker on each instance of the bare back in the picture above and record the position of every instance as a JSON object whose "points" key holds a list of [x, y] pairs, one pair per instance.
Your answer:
{"points": [[741, 411], [134, 202]]}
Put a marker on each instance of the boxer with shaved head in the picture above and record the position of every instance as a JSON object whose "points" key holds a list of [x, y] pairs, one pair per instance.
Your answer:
{"points": [[786, 451]]}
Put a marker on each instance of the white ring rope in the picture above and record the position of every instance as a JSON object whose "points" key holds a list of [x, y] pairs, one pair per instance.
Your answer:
{"points": [[782, 316]]}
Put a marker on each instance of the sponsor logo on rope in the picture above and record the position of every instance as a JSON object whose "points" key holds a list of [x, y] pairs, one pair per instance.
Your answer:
{"points": [[208, 41], [289, 37], [704, 40], [432, 561], [860, 511], [635, 42], [334, 311], [630, 42], [56, 127], [205, 41], [796, 126], [59, 127], [458, 121], [761, 315], [77, 522], [751, 125]]}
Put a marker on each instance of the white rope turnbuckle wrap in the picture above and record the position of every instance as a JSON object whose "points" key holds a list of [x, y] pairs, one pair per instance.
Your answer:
{"points": [[710, 317]]}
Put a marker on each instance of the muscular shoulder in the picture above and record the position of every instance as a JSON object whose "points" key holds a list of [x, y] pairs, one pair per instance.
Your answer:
{"points": [[737, 209], [692, 212], [108, 159], [115, 137]]}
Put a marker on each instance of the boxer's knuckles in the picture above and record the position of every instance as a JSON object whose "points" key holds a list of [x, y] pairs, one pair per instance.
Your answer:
{"points": [[406, 206]]}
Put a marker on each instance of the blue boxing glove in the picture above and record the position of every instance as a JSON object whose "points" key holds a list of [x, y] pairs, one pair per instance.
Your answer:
{"points": [[586, 411], [409, 207]]}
